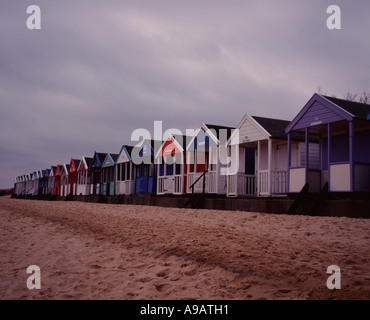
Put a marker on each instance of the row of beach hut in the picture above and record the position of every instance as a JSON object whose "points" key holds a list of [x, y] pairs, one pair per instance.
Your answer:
{"points": [[326, 144]]}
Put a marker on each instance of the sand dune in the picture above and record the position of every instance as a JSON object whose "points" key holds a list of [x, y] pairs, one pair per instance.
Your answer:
{"points": [[107, 251]]}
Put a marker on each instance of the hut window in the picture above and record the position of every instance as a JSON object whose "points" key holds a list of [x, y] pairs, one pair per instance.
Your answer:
{"points": [[123, 172], [169, 169], [121, 176], [161, 169], [146, 170], [155, 169], [191, 160], [132, 172], [178, 168], [138, 171]]}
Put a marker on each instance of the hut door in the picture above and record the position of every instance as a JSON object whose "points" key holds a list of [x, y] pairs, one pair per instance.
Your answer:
{"points": [[250, 161], [169, 184], [169, 179]]}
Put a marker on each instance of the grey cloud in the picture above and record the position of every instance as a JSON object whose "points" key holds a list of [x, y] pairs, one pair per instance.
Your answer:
{"points": [[98, 70]]}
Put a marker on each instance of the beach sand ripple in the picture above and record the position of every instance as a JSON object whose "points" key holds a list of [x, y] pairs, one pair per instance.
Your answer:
{"points": [[101, 251]]}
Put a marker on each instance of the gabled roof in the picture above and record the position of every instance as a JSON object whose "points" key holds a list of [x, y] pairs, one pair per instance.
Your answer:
{"points": [[84, 163], [77, 162], [182, 140], [173, 144], [252, 131], [98, 159], [124, 154], [275, 127], [58, 170], [255, 128], [65, 169], [45, 173], [110, 160], [74, 164], [145, 151], [88, 161], [52, 170], [357, 109], [212, 131], [101, 156], [322, 110], [220, 129]]}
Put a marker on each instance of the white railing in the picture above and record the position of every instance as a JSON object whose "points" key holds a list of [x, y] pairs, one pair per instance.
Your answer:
{"points": [[211, 182], [279, 182], [124, 187], [263, 182], [160, 186], [127, 186], [232, 185], [81, 189], [246, 184], [178, 184], [198, 187], [241, 185], [190, 181]]}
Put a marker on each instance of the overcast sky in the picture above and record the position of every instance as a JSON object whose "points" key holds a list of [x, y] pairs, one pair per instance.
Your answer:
{"points": [[97, 70]]}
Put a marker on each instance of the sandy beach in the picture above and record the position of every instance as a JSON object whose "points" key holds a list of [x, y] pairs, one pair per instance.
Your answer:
{"points": [[107, 251]]}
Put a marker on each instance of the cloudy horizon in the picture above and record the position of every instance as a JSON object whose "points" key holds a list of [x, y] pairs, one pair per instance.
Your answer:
{"points": [[98, 70]]}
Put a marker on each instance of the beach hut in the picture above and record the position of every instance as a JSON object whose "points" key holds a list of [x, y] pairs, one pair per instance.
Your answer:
{"points": [[25, 179], [262, 156], [57, 180], [343, 130], [17, 185], [145, 168], [20, 185], [29, 184], [35, 183], [95, 173], [43, 181], [171, 165], [84, 177], [24, 186], [72, 176], [39, 174], [51, 180], [108, 174], [125, 177], [64, 180], [203, 159]]}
